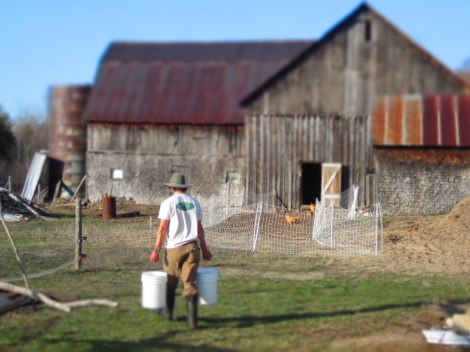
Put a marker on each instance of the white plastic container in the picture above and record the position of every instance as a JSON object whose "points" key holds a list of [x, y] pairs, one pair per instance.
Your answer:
{"points": [[207, 283], [154, 289]]}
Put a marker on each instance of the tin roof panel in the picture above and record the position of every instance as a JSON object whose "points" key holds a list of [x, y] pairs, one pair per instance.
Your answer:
{"points": [[199, 83], [414, 120]]}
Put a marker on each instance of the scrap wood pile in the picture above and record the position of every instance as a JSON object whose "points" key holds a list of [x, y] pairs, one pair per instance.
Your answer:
{"points": [[13, 297], [14, 208]]}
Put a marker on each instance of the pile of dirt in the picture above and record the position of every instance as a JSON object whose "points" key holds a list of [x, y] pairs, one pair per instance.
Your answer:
{"points": [[426, 244], [457, 221]]}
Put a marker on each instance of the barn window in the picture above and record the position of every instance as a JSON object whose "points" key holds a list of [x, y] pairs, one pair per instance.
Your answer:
{"points": [[117, 174], [368, 31], [233, 177]]}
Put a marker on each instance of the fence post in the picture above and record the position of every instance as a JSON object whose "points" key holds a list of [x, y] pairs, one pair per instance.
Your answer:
{"points": [[78, 234], [331, 225], [259, 212], [211, 210], [381, 228]]}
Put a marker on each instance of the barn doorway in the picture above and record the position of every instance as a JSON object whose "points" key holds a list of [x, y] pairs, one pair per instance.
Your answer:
{"points": [[311, 182], [324, 181]]}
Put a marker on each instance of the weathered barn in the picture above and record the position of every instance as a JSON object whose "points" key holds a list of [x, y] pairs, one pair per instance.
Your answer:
{"points": [[312, 116], [158, 108], [286, 122], [362, 57]]}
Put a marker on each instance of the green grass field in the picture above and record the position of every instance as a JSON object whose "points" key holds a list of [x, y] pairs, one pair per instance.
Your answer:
{"points": [[266, 303]]}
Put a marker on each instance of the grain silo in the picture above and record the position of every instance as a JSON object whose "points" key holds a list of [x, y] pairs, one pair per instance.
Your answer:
{"points": [[67, 143]]}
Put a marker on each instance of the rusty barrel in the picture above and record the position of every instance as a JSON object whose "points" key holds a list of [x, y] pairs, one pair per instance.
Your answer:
{"points": [[109, 208]]}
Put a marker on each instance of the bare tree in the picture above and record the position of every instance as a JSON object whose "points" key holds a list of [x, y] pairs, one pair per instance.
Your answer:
{"points": [[20, 138], [32, 135], [7, 139]]}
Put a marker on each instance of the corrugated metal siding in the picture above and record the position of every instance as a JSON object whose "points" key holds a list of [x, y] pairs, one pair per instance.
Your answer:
{"points": [[183, 83], [464, 123], [416, 120], [431, 129]]}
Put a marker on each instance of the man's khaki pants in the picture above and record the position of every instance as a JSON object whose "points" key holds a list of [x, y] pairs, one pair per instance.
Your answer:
{"points": [[183, 262]]}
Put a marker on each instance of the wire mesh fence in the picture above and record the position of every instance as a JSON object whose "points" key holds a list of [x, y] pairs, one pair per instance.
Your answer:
{"points": [[44, 247], [322, 230]]}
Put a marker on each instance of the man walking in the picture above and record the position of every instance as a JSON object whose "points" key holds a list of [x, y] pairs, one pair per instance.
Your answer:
{"points": [[181, 225]]}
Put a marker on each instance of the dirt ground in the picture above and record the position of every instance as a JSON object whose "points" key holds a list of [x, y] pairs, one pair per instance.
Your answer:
{"points": [[433, 244]]}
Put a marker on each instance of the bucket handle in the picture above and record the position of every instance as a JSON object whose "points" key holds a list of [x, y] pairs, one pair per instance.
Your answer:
{"points": [[146, 266]]}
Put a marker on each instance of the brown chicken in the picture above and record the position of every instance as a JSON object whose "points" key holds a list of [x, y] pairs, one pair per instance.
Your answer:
{"points": [[292, 219], [311, 210]]}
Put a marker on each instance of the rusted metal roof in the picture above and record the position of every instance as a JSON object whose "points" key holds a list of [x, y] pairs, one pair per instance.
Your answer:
{"points": [[195, 83], [416, 120], [203, 51]]}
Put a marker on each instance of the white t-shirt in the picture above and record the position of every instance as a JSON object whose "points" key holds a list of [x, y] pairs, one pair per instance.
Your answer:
{"points": [[183, 211]]}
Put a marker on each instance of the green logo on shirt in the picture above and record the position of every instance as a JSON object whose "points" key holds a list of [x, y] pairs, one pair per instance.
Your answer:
{"points": [[185, 206]]}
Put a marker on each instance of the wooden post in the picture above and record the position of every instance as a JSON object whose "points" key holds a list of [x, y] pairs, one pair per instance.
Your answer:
{"points": [[78, 234], [57, 191], [78, 188]]}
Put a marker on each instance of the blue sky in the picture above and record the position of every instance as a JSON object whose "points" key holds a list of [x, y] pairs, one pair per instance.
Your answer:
{"points": [[58, 42]]}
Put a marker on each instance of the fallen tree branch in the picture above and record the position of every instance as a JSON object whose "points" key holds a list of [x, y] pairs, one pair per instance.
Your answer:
{"points": [[94, 302], [65, 307], [38, 296]]}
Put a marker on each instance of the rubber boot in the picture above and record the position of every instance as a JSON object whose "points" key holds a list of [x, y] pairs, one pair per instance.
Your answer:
{"points": [[167, 312], [191, 303]]}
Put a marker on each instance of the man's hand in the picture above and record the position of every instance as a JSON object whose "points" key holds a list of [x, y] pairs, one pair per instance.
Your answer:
{"points": [[154, 257], [206, 254]]}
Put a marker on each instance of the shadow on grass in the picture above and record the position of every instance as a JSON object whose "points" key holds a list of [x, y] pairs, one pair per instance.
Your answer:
{"points": [[248, 321], [157, 343]]}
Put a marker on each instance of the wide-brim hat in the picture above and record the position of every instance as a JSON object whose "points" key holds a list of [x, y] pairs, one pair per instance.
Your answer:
{"points": [[177, 180]]}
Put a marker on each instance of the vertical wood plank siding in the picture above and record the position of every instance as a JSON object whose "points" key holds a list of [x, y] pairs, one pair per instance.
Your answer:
{"points": [[278, 145], [346, 71]]}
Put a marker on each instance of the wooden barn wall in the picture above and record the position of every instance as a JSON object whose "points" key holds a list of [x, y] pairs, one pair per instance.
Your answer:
{"points": [[346, 71], [148, 154], [276, 147]]}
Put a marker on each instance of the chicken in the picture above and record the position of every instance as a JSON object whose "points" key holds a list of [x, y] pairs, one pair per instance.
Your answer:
{"points": [[311, 210], [292, 219]]}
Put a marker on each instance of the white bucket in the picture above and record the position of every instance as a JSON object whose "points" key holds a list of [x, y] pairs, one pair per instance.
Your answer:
{"points": [[154, 289], [207, 283]]}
